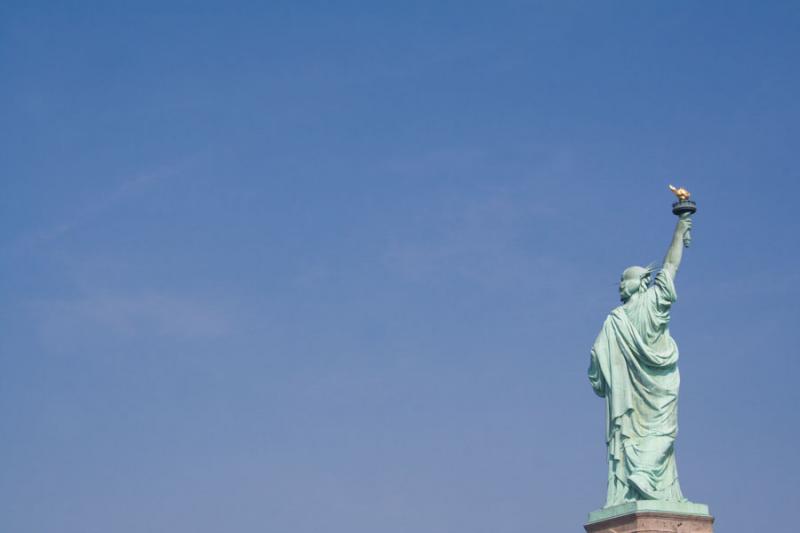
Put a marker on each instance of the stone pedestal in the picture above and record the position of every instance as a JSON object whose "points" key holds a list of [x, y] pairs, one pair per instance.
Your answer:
{"points": [[651, 517]]}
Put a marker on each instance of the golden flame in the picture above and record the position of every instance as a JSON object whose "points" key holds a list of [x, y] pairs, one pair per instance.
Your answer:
{"points": [[681, 193]]}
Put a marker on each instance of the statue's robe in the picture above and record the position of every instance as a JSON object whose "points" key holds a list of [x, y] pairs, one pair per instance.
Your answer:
{"points": [[634, 366]]}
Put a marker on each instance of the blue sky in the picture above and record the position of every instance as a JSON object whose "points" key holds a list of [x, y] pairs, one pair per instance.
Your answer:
{"points": [[302, 267]]}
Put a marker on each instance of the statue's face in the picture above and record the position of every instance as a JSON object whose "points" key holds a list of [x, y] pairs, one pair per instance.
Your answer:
{"points": [[633, 280]]}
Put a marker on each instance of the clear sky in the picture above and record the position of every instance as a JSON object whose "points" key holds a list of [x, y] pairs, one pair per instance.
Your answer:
{"points": [[309, 267]]}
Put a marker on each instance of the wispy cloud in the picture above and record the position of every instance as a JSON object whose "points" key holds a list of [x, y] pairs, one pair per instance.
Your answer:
{"points": [[486, 241], [497, 235], [99, 205], [128, 316], [457, 160]]}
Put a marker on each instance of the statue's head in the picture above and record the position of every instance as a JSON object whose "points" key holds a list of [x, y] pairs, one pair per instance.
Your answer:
{"points": [[634, 279]]}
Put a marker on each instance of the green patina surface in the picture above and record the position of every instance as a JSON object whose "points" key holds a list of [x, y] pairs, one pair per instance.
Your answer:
{"points": [[652, 506], [634, 366]]}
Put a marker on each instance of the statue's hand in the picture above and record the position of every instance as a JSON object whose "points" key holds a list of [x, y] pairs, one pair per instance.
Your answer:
{"points": [[684, 225]]}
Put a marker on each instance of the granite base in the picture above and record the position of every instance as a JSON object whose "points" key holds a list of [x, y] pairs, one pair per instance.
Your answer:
{"points": [[651, 517]]}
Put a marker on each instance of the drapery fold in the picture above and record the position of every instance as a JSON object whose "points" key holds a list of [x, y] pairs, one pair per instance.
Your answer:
{"points": [[634, 366]]}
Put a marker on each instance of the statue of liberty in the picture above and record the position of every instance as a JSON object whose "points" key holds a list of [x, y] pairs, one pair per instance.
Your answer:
{"points": [[634, 366]]}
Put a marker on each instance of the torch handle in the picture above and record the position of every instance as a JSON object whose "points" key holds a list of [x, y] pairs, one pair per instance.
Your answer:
{"points": [[687, 237]]}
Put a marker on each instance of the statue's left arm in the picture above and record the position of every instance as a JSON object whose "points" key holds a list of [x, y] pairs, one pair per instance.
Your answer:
{"points": [[675, 251]]}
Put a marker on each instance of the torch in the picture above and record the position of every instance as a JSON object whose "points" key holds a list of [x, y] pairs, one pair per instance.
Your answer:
{"points": [[684, 208]]}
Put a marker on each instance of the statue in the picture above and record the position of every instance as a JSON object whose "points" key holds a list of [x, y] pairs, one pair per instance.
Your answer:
{"points": [[634, 367]]}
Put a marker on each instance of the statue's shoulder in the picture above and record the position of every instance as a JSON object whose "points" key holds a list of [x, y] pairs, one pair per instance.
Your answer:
{"points": [[618, 313], [664, 288]]}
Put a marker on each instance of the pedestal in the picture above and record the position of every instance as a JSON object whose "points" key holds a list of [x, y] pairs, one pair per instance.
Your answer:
{"points": [[651, 517]]}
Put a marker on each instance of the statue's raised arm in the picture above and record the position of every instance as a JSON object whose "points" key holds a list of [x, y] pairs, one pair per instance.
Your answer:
{"points": [[684, 209], [672, 260]]}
